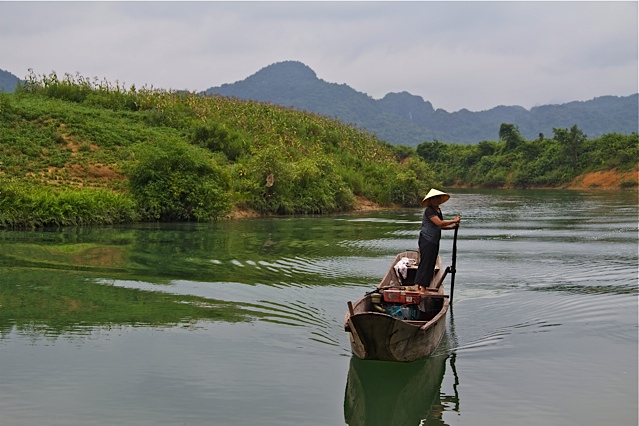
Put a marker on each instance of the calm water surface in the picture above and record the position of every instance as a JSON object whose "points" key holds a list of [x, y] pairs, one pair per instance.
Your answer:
{"points": [[240, 322]]}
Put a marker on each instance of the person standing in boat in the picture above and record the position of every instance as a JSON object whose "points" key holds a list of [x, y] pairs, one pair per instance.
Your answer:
{"points": [[429, 236]]}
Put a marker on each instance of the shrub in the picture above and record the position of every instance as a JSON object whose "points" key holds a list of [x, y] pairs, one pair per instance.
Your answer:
{"points": [[628, 183], [175, 181], [273, 181], [218, 138], [5, 105]]}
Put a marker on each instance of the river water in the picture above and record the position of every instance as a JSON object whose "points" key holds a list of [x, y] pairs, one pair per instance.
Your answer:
{"points": [[241, 322]]}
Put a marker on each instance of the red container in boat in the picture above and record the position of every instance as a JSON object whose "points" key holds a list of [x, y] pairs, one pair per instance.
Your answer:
{"points": [[403, 297]]}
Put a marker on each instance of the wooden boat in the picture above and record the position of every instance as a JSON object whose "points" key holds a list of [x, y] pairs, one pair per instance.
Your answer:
{"points": [[388, 324]]}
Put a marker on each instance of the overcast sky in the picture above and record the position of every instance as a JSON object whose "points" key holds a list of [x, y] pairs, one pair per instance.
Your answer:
{"points": [[473, 55]]}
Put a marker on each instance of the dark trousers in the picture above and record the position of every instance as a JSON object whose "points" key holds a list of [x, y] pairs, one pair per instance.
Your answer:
{"points": [[428, 253]]}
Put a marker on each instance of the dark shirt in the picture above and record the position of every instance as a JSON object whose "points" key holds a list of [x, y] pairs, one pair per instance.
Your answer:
{"points": [[431, 232]]}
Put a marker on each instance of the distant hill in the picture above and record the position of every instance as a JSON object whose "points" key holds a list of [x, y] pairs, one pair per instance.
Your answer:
{"points": [[8, 81], [403, 118]]}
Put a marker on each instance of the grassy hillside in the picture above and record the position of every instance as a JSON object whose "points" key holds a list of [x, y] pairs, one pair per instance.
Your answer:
{"points": [[80, 151]]}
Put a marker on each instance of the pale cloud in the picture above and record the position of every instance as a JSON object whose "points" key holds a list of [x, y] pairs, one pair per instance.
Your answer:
{"points": [[473, 55]]}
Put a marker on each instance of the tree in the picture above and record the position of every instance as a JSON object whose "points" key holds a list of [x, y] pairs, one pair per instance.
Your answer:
{"points": [[509, 133], [572, 142], [434, 151]]}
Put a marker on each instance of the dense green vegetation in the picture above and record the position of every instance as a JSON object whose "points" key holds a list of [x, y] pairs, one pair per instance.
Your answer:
{"points": [[515, 162], [81, 151], [75, 151]]}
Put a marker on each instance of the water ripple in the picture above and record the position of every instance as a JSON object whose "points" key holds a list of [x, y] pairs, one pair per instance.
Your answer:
{"points": [[592, 314]]}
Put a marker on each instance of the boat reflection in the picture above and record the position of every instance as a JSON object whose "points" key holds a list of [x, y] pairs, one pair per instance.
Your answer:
{"points": [[392, 393]]}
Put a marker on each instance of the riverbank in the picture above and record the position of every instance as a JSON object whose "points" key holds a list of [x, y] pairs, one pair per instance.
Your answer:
{"points": [[610, 180], [362, 204]]}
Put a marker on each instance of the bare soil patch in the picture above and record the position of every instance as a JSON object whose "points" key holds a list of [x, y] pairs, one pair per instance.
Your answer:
{"points": [[364, 204], [609, 179]]}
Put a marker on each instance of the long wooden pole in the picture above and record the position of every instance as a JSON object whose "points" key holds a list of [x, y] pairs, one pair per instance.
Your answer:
{"points": [[452, 267]]}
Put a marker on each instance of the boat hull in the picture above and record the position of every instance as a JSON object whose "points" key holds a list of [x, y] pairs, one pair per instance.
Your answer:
{"points": [[381, 337], [376, 335]]}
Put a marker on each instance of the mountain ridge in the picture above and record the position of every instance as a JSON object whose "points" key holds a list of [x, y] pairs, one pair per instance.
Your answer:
{"points": [[8, 81], [404, 118]]}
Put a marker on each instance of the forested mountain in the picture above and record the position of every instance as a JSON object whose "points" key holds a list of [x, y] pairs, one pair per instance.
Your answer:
{"points": [[403, 118], [8, 81]]}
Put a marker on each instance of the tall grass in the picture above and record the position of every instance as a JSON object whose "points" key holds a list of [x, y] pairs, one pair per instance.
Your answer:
{"points": [[26, 206]]}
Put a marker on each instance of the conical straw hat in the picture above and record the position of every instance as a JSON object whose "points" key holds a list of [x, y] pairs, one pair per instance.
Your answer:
{"points": [[433, 193]]}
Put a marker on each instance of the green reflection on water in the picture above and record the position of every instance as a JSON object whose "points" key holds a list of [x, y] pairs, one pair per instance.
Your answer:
{"points": [[55, 302], [57, 281], [160, 253]]}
